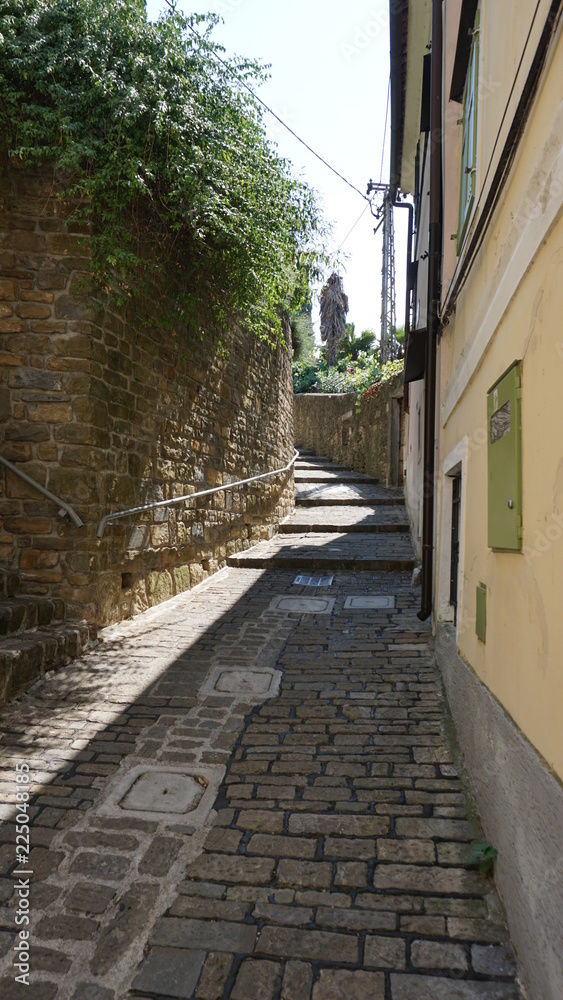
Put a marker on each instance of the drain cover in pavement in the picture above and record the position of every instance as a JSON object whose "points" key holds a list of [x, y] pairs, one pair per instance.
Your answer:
{"points": [[252, 681], [164, 793], [359, 603], [314, 581], [311, 605], [247, 685]]}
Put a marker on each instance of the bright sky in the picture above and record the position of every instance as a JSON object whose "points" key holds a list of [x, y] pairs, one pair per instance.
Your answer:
{"points": [[329, 78]]}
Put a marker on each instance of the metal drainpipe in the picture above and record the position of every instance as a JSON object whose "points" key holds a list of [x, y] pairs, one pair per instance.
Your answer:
{"points": [[434, 269], [405, 204]]}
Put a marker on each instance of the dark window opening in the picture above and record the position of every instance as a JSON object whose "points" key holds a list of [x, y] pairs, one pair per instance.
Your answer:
{"points": [[425, 100], [454, 562]]}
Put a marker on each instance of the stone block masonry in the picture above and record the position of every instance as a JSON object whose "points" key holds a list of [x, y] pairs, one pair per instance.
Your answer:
{"points": [[368, 440], [108, 411]]}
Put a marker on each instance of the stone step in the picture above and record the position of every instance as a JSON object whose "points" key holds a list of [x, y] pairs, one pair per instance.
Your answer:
{"points": [[321, 551], [347, 495], [320, 465], [25, 657], [305, 563], [332, 476], [18, 614], [300, 526], [334, 501], [382, 518]]}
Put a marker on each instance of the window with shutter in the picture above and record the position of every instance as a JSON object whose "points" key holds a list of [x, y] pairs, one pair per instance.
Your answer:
{"points": [[469, 138]]}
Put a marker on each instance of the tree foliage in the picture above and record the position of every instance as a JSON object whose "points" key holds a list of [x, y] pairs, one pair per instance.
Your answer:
{"points": [[350, 346], [161, 151], [333, 309], [314, 375], [302, 333]]}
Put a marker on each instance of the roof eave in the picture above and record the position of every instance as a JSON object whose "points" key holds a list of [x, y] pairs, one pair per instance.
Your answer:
{"points": [[398, 25]]}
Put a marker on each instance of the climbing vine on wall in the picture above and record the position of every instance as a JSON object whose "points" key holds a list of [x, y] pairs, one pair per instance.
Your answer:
{"points": [[161, 153]]}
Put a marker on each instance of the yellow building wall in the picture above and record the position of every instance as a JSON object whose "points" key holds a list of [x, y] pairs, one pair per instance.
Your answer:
{"points": [[452, 138], [522, 659], [514, 28]]}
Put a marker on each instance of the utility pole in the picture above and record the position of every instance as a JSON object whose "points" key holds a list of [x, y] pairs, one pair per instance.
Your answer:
{"points": [[388, 317], [384, 214]]}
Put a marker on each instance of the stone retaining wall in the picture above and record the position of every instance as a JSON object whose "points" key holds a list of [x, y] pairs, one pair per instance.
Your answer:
{"points": [[368, 440], [108, 411]]}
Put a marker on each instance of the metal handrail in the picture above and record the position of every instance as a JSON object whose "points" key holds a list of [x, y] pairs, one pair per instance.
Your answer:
{"points": [[190, 496], [64, 507]]}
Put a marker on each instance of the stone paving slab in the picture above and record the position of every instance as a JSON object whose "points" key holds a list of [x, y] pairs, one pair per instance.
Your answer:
{"points": [[334, 861]]}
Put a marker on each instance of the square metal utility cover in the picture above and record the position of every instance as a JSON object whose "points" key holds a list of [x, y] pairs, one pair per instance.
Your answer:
{"points": [[252, 684], [309, 605], [367, 603], [164, 793], [313, 581], [161, 791]]}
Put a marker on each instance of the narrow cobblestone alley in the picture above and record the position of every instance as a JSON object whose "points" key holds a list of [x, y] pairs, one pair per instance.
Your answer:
{"points": [[249, 792]]}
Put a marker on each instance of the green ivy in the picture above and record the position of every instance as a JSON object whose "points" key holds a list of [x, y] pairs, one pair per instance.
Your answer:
{"points": [[162, 152]]}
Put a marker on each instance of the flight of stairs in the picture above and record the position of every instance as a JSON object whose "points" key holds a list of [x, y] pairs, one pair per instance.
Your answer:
{"points": [[35, 638], [344, 520]]}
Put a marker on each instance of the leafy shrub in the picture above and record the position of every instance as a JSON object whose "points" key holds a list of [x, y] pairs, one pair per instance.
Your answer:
{"points": [[305, 376], [346, 376], [162, 155]]}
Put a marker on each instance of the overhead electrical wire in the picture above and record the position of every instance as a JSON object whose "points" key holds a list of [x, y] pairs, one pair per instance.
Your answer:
{"points": [[385, 127], [273, 113], [364, 210]]}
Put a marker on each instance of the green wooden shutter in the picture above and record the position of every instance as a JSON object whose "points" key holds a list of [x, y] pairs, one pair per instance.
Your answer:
{"points": [[469, 139]]}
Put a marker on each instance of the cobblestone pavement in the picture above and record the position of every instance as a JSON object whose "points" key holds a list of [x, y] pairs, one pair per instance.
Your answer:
{"points": [[331, 862]]}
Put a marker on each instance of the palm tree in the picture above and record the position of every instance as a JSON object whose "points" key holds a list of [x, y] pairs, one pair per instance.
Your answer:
{"points": [[350, 346], [334, 306]]}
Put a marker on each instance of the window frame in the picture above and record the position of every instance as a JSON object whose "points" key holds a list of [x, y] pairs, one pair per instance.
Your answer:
{"points": [[455, 545], [468, 170]]}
